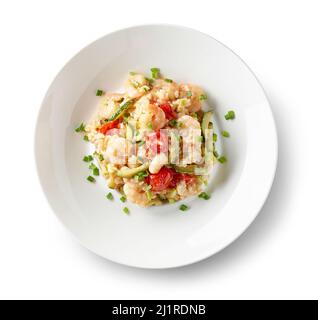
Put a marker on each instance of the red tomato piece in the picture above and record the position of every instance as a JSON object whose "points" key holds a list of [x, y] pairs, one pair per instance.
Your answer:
{"points": [[108, 126], [169, 112], [161, 180], [187, 178]]}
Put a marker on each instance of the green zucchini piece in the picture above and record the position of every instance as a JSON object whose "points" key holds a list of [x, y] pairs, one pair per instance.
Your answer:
{"points": [[188, 169], [121, 110], [130, 172], [205, 122]]}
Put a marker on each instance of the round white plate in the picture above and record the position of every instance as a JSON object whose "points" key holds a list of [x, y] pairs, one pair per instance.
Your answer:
{"points": [[157, 237]]}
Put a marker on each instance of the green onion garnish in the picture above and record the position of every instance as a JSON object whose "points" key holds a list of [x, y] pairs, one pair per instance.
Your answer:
{"points": [[155, 72], [99, 93], [215, 153], [230, 115], [141, 143], [92, 166], [215, 137], [126, 210], [109, 196], [183, 102], [123, 199], [88, 158], [91, 179], [204, 195], [184, 207], [150, 80], [200, 139], [150, 126], [222, 159], [225, 134], [140, 176], [189, 94], [149, 194], [173, 123], [169, 80], [132, 73], [85, 138], [203, 97], [80, 128], [96, 172]]}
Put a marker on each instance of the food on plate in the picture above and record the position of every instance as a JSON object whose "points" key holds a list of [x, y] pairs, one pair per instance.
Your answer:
{"points": [[154, 143]]}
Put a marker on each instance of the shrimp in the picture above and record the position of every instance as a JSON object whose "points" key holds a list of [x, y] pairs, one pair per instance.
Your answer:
{"points": [[188, 122], [152, 117], [135, 193], [116, 150], [195, 102], [191, 134], [136, 86]]}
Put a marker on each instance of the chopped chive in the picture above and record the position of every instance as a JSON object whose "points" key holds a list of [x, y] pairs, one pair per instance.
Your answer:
{"points": [[189, 94], [96, 172], [215, 137], [215, 153], [230, 115], [204, 195], [141, 143], [109, 196], [155, 72], [225, 134], [123, 199], [184, 207], [92, 166], [146, 89], [140, 176], [99, 156], [85, 138], [149, 194], [150, 80], [173, 123], [91, 179], [80, 128], [99, 93], [135, 84], [183, 102], [222, 159], [150, 126], [88, 158], [132, 73], [126, 210], [169, 80], [203, 97]]}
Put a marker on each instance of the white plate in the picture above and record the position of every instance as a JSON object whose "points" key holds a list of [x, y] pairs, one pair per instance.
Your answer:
{"points": [[157, 237]]}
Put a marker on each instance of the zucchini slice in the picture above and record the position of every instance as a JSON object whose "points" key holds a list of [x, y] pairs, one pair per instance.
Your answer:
{"points": [[121, 110], [130, 172]]}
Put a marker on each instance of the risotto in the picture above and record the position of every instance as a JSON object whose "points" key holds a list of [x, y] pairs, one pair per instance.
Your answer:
{"points": [[153, 143]]}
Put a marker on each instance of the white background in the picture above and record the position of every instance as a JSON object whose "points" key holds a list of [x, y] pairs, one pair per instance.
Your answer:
{"points": [[276, 258]]}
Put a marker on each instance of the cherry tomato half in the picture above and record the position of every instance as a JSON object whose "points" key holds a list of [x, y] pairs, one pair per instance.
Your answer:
{"points": [[161, 180], [109, 125], [169, 112]]}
